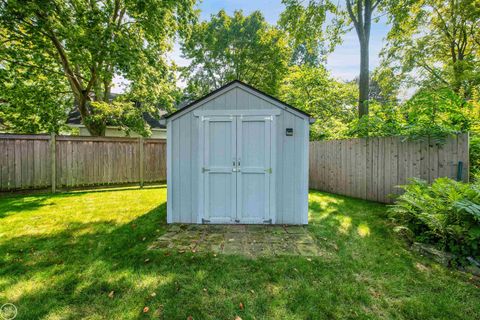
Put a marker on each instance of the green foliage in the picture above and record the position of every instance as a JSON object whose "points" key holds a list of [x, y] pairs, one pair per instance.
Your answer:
{"points": [[474, 149], [309, 34], [88, 43], [434, 43], [32, 100], [238, 47], [123, 114], [383, 120], [445, 213], [331, 102], [428, 114]]}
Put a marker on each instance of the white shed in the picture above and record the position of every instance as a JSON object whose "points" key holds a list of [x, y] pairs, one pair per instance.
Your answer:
{"points": [[237, 156]]}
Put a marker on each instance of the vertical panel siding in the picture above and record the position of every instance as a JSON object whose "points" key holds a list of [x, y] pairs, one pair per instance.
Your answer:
{"points": [[291, 175]]}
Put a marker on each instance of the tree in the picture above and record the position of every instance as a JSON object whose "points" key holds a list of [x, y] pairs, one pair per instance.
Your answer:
{"points": [[310, 35], [435, 44], [314, 39], [360, 12], [237, 47], [32, 99], [331, 102], [90, 42]]}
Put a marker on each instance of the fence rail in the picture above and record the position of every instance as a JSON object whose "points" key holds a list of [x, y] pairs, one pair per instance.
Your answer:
{"points": [[42, 161], [372, 168]]}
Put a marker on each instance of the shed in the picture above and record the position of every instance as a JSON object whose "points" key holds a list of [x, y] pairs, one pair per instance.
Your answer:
{"points": [[237, 156]]}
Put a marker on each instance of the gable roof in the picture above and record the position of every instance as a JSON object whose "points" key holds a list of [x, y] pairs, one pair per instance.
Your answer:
{"points": [[196, 102]]}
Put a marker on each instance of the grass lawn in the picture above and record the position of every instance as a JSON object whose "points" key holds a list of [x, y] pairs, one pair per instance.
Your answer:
{"points": [[62, 255]]}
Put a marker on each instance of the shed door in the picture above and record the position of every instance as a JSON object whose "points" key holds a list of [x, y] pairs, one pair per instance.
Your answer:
{"points": [[254, 169], [220, 189], [237, 169]]}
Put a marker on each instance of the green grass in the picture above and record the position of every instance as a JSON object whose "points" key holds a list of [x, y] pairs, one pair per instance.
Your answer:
{"points": [[61, 255]]}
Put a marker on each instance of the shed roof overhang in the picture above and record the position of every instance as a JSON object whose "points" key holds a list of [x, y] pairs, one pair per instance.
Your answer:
{"points": [[192, 105]]}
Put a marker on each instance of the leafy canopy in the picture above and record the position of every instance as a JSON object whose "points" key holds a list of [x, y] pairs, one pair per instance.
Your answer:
{"points": [[310, 34], [91, 42], [330, 101], [435, 44], [235, 47]]}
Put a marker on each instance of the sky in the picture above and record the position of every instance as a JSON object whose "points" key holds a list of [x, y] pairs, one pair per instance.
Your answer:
{"points": [[343, 63]]}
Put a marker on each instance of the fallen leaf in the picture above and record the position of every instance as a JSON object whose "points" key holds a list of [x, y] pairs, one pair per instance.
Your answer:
{"points": [[189, 318], [241, 306], [146, 309], [110, 295]]}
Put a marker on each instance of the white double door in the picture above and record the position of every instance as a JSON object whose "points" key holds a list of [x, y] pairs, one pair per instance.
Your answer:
{"points": [[237, 169]]}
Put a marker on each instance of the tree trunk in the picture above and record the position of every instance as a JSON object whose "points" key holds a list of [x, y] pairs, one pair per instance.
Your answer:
{"points": [[93, 128], [363, 83]]}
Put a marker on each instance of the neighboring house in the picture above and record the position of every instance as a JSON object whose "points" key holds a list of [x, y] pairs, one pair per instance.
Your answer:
{"points": [[159, 130]]}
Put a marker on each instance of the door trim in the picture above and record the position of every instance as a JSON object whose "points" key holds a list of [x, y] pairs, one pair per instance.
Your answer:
{"points": [[273, 147], [247, 112], [229, 169], [267, 128]]}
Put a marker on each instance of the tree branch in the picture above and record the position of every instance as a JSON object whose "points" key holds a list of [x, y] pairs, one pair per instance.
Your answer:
{"points": [[352, 16], [27, 65]]}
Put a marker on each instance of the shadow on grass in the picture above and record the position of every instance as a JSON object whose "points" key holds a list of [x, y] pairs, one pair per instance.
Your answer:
{"points": [[70, 275]]}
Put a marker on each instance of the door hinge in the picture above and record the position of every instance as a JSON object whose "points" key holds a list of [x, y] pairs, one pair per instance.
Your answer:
{"points": [[205, 170], [268, 221], [269, 170], [205, 220]]}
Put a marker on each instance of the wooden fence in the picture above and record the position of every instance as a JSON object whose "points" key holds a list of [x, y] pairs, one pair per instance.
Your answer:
{"points": [[43, 161], [372, 168]]}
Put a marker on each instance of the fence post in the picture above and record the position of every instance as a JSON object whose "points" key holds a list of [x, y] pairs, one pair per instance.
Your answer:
{"points": [[140, 144], [53, 161]]}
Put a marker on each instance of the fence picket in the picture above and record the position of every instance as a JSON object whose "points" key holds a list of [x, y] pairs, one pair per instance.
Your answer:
{"points": [[371, 168], [26, 161]]}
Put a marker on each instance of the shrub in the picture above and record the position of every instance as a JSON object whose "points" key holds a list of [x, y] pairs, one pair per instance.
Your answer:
{"points": [[445, 214], [475, 156]]}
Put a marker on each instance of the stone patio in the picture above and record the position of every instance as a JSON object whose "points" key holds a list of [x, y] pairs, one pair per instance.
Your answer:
{"points": [[246, 240]]}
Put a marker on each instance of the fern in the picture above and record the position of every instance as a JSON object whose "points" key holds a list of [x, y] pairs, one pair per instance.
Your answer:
{"points": [[445, 213]]}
